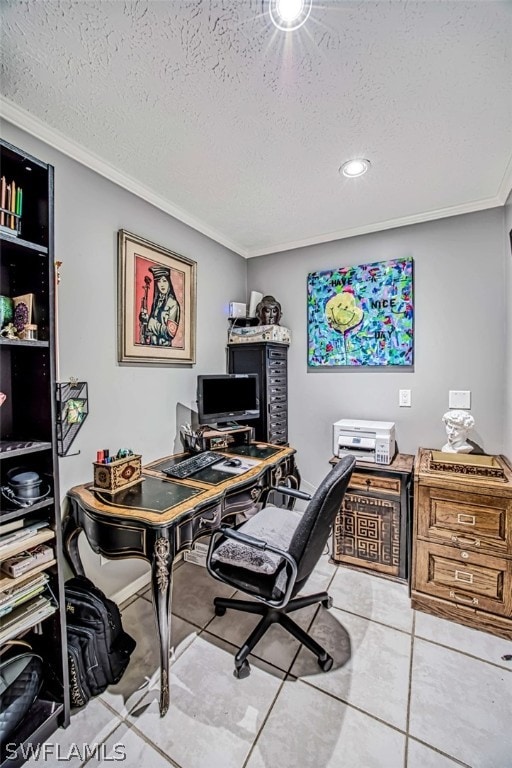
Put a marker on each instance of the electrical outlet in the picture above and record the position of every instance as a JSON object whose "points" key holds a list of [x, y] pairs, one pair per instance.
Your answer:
{"points": [[404, 398], [458, 398]]}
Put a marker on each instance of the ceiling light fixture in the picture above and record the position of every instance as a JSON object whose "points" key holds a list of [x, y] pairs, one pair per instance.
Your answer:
{"points": [[288, 15], [353, 168]]}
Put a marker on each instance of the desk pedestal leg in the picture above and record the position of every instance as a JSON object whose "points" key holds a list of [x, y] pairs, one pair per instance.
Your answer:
{"points": [[161, 580]]}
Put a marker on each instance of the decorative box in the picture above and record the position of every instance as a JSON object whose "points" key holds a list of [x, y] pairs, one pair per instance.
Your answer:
{"points": [[118, 475]]}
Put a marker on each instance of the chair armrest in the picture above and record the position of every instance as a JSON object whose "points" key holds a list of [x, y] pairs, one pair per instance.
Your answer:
{"points": [[291, 492]]}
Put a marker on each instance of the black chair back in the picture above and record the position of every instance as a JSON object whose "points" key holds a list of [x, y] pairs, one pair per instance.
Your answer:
{"points": [[313, 531]]}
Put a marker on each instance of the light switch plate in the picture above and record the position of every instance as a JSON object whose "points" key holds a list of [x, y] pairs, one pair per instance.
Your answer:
{"points": [[459, 398], [404, 398]]}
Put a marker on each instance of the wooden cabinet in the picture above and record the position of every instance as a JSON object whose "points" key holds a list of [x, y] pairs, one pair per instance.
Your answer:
{"points": [[371, 528], [28, 444], [269, 360], [462, 548]]}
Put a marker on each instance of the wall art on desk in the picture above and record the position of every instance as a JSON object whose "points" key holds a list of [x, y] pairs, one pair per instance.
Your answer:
{"points": [[156, 303], [361, 315]]}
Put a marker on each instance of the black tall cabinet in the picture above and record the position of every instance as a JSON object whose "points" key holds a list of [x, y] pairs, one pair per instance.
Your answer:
{"points": [[270, 361], [28, 443]]}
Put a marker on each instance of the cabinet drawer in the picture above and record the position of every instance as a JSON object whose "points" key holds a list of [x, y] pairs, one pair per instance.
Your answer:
{"points": [[277, 354], [463, 577], [277, 381], [276, 366], [276, 391], [469, 520], [277, 408], [363, 482]]}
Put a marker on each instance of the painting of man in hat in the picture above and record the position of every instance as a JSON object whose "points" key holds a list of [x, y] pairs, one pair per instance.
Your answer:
{"points": [[160, 325]]}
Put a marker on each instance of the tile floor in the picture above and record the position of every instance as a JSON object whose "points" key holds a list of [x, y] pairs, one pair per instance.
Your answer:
{"points": [[407, 690]]}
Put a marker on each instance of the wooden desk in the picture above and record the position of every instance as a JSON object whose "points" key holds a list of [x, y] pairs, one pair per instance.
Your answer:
{"points": [[160, 517]]}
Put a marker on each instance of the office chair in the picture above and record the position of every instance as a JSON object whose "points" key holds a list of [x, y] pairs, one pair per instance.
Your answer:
{"points": [[271, 556]]}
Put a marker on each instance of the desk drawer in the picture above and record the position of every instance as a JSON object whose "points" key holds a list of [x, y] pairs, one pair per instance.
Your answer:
{"points": [[472, 521], [191, 529], [374, 482], [468, 578]]}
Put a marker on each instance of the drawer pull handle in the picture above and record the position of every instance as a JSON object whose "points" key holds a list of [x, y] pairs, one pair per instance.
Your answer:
{"points": [[207, 520], [466, 519], [464, 576], [465, 541], [255, 492], [463, 598]]}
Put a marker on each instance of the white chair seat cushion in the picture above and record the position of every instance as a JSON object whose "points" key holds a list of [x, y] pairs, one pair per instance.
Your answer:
{"points": [[273, 525]]}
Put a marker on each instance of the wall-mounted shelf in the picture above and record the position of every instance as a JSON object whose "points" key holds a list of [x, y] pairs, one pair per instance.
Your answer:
{"points": [[73, 408]]}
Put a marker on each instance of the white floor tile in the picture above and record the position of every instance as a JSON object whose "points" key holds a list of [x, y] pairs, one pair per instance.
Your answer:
{"points": [[193, 593], [309, 729], [213, 717], [125, 747], [88, 727], [460, 638], [461, 706], [143, 671], [373, 597], [371, 664], [420, 756]]}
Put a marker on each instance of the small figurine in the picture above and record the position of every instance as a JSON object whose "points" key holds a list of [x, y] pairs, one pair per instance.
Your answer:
{"points": [[458, 424], [268, 311], [9, 332]]}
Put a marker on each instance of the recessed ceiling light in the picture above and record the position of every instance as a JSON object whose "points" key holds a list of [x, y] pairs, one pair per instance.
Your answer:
{"points": [[354, 168], [288, 15]]}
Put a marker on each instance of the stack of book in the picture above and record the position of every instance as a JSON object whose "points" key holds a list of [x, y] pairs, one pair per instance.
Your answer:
{"points": [[11, 204], [16, 531], [25, 616]]}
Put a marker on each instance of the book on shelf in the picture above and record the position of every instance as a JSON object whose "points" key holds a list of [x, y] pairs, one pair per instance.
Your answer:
{"points": [[26, 532], [14, 596], [24, 617], [11, 203], [11, 525], [24, 561]]}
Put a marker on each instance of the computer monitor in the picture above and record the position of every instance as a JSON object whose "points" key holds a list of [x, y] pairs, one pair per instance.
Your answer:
{"points": [[224, 397]]}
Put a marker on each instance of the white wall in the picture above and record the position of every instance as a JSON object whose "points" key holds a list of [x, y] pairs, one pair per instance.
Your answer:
{"points": [[460, 336], [138, 407], [508, 320]]}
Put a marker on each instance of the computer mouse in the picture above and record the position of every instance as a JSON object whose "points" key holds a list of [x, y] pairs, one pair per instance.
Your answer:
{"points": [[233, 462]]}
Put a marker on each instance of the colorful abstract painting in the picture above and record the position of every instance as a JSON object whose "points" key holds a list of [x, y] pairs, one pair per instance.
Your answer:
{"points": [[361, 315]]}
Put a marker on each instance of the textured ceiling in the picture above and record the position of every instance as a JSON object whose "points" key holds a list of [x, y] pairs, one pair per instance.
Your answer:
{"points": [[239, 129]]}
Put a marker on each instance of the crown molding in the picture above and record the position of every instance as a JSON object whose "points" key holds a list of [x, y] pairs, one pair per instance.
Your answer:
{"points": [[405, 221], [41, 130]]}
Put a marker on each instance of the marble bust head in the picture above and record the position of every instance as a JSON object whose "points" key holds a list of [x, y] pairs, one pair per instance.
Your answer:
{"points": [[458, 423]]}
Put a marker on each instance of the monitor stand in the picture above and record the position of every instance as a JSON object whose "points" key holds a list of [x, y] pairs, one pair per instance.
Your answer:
{"points": [[225, 426]]}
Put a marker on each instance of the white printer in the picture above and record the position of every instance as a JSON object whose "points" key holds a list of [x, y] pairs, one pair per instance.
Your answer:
{"points": [[372, 441]]}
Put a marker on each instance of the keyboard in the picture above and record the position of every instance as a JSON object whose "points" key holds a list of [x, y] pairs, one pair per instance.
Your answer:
{"points": [[190, 466]]}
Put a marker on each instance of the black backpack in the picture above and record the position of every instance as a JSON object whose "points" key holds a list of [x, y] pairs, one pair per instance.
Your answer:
{"points": [[98, 648]]}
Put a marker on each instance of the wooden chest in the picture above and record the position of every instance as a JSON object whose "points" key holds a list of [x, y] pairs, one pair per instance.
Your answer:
{"points": [[371, 528], [462, 544]]}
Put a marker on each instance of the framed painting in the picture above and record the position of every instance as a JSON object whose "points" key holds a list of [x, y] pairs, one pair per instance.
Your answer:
{"points": [[156, 303], [361, 315]]}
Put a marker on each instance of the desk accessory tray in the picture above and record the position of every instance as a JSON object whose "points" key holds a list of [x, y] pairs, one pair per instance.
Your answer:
{"points": [[475, 465], [118, 475]]}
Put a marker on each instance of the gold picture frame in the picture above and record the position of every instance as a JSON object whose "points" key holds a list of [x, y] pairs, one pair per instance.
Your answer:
{"points": [[156, 303]]}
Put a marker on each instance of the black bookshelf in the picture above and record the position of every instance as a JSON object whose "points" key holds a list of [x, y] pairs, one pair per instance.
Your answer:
{"points": [[28, 438]]}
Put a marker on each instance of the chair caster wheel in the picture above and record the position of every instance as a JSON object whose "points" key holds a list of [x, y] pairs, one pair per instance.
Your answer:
{"points": [[325, 664], [220, 610], [327, 603], [244, 670]]}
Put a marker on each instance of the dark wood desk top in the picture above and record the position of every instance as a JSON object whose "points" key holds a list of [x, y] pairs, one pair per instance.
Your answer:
{"points": [[160, 500]]}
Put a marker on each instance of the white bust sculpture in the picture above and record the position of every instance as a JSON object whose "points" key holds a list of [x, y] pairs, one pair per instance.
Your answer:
{"points": [[458, 424]]}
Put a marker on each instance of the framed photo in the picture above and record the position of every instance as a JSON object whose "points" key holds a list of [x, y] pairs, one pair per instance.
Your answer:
{"points": [[361, 315], [156, 303]]}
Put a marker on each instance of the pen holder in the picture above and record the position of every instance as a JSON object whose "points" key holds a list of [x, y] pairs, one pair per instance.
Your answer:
{"points": [[118, 475]]}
